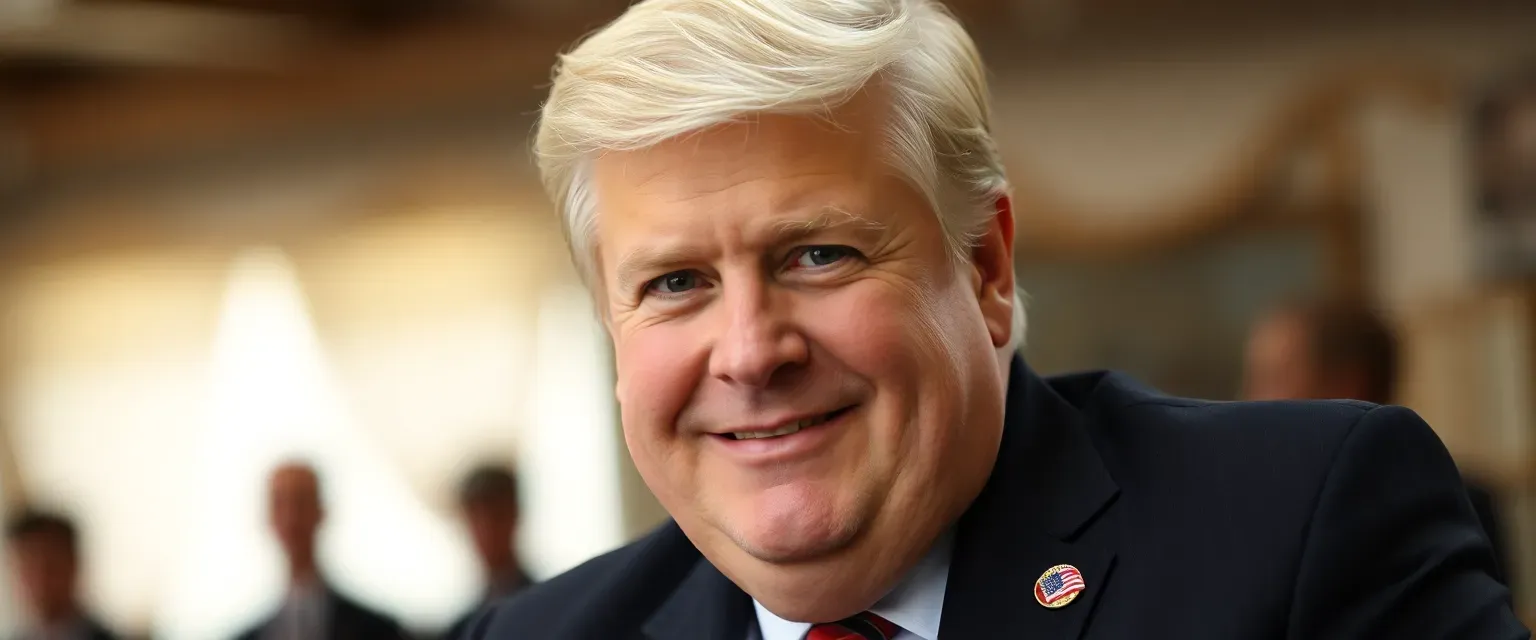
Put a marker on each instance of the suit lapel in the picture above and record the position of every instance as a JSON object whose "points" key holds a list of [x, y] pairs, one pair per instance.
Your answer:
{"points": [[1047, 488], [705, 606]]}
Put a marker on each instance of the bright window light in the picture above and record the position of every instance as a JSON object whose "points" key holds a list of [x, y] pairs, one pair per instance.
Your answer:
{"points": [[272, 397]]}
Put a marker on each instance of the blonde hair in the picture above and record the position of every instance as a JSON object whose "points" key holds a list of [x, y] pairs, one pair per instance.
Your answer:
{"points": [[670, 67]]}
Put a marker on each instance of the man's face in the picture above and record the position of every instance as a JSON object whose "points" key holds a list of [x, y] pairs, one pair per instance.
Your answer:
{"points": [[1278, 364], [46, 568], [295, 508], [807, 379]]}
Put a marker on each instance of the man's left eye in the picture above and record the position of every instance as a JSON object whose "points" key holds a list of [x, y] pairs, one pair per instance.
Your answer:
{"points": [[823, 256]]}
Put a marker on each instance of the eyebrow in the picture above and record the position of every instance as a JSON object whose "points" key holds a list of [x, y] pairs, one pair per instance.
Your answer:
{"points": [[831, 217], [645, 261]]}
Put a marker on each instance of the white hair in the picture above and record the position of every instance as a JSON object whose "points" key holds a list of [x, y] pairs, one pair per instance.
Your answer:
{"points": [[670, 67]]}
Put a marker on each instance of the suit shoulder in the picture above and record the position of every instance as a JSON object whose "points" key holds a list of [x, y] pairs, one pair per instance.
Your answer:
{"points": [[366, 616], [99, 631], [1118, 404], [624, 582], [250, 633], [1168, 445]]}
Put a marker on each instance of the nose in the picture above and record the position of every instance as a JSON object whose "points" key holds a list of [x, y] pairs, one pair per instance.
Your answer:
{"points": [[759, 340]]}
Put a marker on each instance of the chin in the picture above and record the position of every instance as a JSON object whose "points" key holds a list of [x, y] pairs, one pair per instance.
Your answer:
{"points": [[785, 551], [797, 531]]}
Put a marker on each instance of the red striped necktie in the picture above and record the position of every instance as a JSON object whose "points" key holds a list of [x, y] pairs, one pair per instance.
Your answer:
{"points": [[864, 626]]}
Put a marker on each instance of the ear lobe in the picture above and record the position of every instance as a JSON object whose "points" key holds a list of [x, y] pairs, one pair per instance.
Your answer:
{"points": [[992, 273]]}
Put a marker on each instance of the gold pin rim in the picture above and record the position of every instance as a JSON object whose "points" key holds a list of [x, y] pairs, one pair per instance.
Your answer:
{"points": [[1064, 600]]}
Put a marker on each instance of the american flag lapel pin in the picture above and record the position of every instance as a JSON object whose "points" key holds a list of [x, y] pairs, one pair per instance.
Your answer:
{"points": [[1059, 586]]}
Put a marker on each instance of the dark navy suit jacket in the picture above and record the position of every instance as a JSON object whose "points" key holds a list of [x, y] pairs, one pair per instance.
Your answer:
{"points": [[91, 627], [349, 620], [1187, 519]]}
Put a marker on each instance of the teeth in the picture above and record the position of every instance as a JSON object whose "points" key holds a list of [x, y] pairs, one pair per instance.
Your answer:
{"points": [[782, 431]]}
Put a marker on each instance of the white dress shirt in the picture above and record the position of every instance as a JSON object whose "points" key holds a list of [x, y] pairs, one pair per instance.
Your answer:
{"points": [[305, 615], [915, 605]]}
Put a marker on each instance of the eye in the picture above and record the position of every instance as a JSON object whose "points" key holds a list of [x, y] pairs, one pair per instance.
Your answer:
{"points": [[823, 256], [675, 282]]}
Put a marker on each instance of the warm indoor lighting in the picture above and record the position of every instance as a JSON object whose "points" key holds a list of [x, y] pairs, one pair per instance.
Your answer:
{"points": [[272, 397]]}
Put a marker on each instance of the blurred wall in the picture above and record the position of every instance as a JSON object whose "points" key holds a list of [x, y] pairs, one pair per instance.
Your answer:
{"points": [[1107, 138], [1113, 135], [400, 315]]}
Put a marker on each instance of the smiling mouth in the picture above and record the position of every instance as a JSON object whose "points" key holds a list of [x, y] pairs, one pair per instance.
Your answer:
{"points": [[790, 429]]}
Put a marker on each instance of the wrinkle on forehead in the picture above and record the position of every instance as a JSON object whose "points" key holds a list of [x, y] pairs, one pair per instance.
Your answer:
{"points": [[777, 176]]}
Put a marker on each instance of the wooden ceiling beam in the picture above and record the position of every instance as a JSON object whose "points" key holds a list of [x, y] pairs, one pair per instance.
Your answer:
{"points": [[440, 65]]}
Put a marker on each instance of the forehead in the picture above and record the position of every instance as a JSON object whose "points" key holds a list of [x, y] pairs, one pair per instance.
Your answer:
{"points": [[764, 146], [291, 479], [765, 163]]}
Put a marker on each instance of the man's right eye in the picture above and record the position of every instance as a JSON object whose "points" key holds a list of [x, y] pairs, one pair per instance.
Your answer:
{"points": [[675, 282]]}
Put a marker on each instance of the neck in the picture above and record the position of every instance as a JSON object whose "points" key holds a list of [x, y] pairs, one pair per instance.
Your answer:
{"points": [[59, 616], [500, 567], [302, 571]]}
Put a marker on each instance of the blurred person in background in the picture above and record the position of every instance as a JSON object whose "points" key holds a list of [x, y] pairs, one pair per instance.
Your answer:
{"points": [[45, 550], [488, 499], [311, 609], [1338, 349], [797, 230], [1321, 349]]}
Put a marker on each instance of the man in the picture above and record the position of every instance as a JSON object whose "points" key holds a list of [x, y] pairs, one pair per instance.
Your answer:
{"points": [[1327, 348], [45, 549], [1321, 349], [797, 229], [488, 499], [311, 609]]}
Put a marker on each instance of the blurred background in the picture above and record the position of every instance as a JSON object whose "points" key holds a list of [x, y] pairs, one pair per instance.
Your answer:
{"points": [[236, 232]]}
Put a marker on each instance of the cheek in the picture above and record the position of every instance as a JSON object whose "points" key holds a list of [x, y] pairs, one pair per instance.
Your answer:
{"points": [[881, 329], [865, 329], [923, 348], [658, 369]]}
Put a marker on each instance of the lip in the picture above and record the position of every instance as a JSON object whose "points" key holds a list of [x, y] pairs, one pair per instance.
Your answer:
{"points": [[781, 449], [776, 424]]}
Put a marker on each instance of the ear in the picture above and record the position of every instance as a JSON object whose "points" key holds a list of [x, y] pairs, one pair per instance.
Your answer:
{"points": [[992, 273]]}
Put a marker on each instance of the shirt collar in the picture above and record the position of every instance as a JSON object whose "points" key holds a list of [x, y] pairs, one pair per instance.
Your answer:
{"points": [[306, 592], [915, 605]]}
